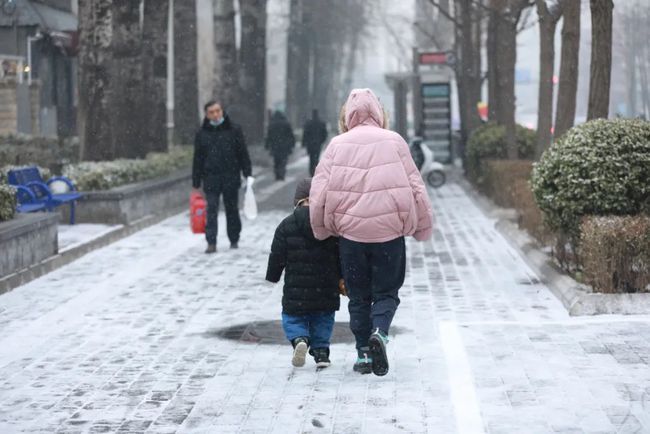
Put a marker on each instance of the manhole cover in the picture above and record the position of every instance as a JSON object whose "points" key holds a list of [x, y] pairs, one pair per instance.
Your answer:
{"points": [[271, 333]]}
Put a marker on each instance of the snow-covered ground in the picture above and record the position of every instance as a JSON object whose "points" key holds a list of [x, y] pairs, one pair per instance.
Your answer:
{"points": [[127, 339], [71, 236]]}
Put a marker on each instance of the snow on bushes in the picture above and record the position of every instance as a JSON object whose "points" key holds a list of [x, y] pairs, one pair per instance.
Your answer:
{"points": [[616, 253], [598, 168], [7, 201], [489, 142], [104, 175]]}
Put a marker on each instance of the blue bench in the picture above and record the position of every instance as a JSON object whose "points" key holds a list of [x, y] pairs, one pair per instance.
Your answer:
{"points": [[33, 194]]}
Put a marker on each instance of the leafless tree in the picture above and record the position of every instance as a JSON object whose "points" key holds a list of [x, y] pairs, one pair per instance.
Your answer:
{"points": [[154, 70], [252, 59], [548, 18], [601, 58], [226, 81], [186, 92], [565, 111], [95, 36], [507, 16]]}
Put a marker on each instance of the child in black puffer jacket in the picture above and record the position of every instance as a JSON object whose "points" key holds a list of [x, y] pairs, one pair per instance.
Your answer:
{"points": [[311, 281]]}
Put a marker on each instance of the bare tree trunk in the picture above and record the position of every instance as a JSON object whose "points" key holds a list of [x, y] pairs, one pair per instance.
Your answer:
{"points": [[601, 58], [547, 24], [507, 59], [469, 54], [253, 68], [126, 75], [298, 60], [226, 83], [95, 34], [154, 65], [492, 60], [568, 89], [186, 91]]}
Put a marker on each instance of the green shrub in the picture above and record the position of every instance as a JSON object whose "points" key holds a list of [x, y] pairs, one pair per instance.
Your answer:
{"points": [[104, 175], [598, 168], [489, 142], [7, 202], [615, 253]]}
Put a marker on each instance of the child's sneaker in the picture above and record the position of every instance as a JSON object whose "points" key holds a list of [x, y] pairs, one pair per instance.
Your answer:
{"points": [[299, 352], [377, 344], [321, 357], [363, 365]]}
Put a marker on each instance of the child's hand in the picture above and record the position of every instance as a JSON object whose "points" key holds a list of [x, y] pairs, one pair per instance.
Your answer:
{"points": [[342, 289]]}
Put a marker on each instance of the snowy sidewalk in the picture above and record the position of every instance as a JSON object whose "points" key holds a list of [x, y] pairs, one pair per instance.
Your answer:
{"points": [[129, 339]]}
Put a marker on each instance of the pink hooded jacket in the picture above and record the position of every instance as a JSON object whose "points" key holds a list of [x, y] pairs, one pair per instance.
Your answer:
{"points": [[366, 187]]}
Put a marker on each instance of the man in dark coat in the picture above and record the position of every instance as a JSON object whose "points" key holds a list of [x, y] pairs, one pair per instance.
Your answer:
{"points": [[311, 281], [220, 158], [280, 140], [313, 136]]}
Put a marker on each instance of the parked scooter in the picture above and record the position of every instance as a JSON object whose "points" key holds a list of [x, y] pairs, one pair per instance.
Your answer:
{"points": [[431, 170]]}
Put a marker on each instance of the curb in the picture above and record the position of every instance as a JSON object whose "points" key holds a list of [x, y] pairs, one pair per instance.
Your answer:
{"points": [[578, 299], [26, 275]]}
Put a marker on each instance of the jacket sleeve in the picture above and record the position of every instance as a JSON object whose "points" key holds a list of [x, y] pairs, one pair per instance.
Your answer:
{"points": [[318, 195], [278, 256], [242, 154], [424, 211], [197, 164]]}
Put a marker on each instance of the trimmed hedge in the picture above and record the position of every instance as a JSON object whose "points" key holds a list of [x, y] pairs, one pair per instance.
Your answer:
{"points": [[616, 253], [598, 168], [489, 142], [530, 216], [499, 177], [7, 202], [104, 175]]}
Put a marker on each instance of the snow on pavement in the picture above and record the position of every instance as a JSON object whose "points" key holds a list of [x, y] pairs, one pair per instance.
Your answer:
{"points": [[129, 338]]}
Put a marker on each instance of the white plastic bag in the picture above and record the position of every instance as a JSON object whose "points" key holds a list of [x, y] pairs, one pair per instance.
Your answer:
{"points": [[250, 205]]}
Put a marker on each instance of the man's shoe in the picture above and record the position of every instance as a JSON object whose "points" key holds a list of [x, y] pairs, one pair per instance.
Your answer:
{"points": [[321, 357], [234, 245], [299, 352], [363, 365], [377, 344], [212, 248]]}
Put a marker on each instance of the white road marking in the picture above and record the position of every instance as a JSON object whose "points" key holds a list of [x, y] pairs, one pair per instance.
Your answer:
{"points": [[461, 384]]}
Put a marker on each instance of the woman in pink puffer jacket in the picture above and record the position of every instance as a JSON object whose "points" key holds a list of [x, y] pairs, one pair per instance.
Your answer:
{"points": [[368, 192]]}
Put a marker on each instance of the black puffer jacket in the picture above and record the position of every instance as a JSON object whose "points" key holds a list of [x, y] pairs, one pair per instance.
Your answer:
{"points": [[312, 267], [220, 156], [279, 136]]}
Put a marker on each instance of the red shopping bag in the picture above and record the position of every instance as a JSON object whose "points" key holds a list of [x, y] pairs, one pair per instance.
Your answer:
{"points": [[198, 213]]}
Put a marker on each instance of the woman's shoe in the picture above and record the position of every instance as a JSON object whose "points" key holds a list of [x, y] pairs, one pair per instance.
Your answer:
{"points": [[363, 365], [377, 344]]}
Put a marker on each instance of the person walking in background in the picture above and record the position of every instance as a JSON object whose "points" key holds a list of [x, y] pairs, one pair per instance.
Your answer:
{"points": [[280, 141], [368, 192], [220, 158], [313, 136], [311, 281]]}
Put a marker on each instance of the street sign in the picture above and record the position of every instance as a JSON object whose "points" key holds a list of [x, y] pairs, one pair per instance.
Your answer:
{"points": [[433, 58]]}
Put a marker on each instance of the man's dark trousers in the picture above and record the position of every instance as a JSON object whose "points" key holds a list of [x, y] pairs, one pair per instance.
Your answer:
{"points": [[373, 273], [230, 195]]}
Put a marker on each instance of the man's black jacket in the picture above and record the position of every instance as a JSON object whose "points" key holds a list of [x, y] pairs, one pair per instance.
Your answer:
{"points": [[220, 156]]}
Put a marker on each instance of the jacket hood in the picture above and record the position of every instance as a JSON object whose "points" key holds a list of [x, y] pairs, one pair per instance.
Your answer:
{"points": [[301, 214], [363, 108], [208, 126]]}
